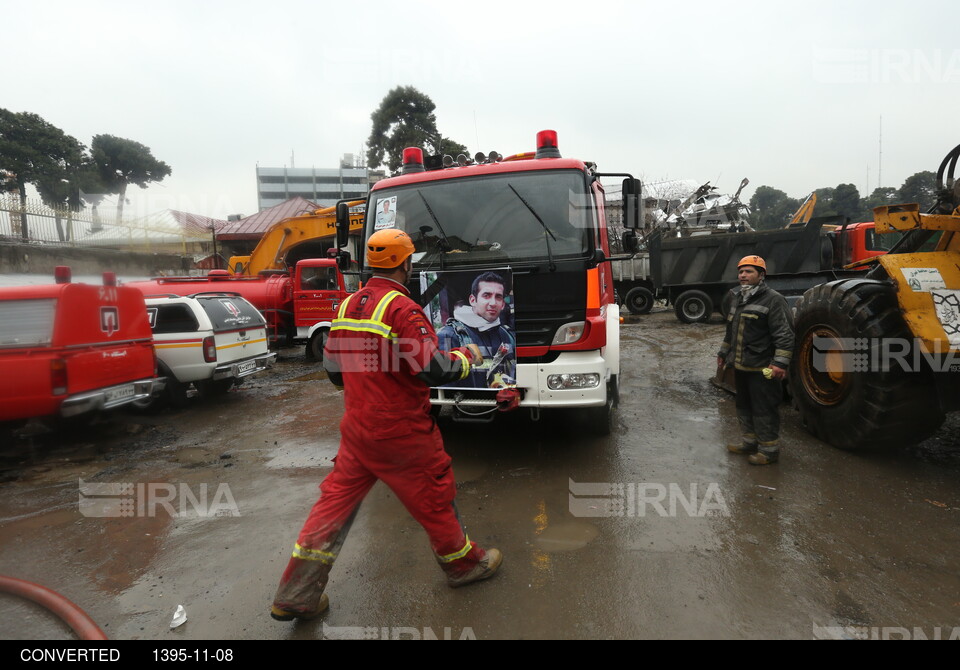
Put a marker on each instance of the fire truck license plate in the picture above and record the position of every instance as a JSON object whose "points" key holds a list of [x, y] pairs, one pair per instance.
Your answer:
{"points": [[120, 393], [246, 367]]}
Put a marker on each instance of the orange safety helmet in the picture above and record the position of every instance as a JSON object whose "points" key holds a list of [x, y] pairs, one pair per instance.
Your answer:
{"points": [[752, 260], [388, 248]]}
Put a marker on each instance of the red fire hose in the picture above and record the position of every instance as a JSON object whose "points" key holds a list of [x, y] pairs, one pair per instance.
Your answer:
{"points": [[72, 615]]}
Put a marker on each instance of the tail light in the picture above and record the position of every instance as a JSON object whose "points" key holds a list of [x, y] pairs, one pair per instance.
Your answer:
{"points": [[58, 376], [209, 349]]}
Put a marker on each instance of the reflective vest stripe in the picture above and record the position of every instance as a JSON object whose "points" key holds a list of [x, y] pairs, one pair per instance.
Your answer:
{"points": [[373, 325], [449, 558]]}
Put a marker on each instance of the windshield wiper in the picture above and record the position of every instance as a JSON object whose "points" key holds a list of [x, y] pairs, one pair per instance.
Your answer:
{"points": [[442, 242], [546, 231]]}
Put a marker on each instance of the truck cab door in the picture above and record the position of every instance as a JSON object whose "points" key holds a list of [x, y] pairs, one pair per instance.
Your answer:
{"points": [[317, 295]]}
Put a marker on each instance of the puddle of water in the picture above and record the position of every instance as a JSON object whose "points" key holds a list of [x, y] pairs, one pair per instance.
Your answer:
{"points": [[567, 536], [313, 376], [313, 454]]}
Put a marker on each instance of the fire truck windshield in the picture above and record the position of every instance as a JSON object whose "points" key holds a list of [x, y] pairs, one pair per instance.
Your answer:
{"points": [[479, 220]]}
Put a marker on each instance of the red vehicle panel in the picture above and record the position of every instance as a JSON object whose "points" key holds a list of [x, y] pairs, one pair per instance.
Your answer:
{"points": [[71, 348]]}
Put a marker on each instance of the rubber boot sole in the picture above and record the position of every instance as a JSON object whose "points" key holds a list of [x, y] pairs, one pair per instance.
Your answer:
{"points": [[287, 615]]}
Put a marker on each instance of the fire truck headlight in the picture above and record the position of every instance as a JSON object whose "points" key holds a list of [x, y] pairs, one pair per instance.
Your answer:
{"points": [[569, 333], [573, 381]]}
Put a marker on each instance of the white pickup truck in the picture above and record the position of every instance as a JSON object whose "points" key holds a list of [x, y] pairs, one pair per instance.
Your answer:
{"points": [[210, 340]]}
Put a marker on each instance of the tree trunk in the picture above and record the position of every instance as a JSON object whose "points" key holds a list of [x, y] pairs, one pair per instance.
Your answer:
{"points": [[123, 196], [57, 218], [24, 233]]}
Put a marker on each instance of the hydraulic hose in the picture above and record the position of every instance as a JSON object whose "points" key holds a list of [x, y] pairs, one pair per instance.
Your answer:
{"points": [[72, 615]]}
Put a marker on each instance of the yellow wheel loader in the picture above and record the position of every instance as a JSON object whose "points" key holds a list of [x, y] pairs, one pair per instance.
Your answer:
{"points": [[877, 359]]}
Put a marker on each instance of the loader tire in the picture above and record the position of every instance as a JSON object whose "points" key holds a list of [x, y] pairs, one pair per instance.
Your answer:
{"points": [[843, 397], [639, 300]]}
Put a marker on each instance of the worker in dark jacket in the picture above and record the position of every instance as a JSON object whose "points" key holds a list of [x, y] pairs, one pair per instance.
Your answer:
{"points": [[758, 345], [382, 350]]}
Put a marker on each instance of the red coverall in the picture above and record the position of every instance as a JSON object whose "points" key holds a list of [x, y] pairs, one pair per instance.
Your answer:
{"points": [[384, 351]]}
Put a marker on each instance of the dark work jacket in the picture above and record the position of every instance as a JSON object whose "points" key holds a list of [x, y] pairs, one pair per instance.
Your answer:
{"points": [[759, 331]]}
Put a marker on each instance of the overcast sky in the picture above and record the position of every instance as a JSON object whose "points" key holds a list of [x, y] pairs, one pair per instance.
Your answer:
{"points": [[786, 94]]}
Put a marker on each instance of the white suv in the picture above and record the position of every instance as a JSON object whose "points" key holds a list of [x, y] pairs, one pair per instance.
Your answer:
{"points": [[211, 340]]}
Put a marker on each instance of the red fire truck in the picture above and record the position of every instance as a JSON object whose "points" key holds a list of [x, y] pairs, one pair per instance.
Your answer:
{"points": [[298, 308], [541, 217], [68, 349]]}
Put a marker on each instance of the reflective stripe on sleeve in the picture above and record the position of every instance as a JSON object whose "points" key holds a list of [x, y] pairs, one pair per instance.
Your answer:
{"points": [[466, 363]]}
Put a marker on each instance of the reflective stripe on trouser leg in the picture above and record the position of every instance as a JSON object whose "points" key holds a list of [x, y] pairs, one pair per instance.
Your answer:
{"points": [[428, 490], [323, 533], [760, 406]]}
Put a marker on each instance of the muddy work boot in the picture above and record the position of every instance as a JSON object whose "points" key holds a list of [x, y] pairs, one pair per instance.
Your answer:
{"points": [[761, 458], [281, 614], [742, 448], [483, 569]]}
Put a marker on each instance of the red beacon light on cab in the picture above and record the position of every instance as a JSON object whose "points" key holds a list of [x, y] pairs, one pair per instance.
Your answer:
{"points": [[547, 144], [412, 160], [62, 274]]}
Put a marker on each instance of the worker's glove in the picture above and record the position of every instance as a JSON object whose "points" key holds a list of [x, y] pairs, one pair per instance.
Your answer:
{"points": [[476, 358]]}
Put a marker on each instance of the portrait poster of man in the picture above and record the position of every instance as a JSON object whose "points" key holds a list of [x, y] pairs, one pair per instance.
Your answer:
{"points": [[476, 307], [386, 213]]}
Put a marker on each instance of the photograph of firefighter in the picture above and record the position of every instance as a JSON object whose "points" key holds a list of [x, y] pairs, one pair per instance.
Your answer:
{"points": [[477, 308]]}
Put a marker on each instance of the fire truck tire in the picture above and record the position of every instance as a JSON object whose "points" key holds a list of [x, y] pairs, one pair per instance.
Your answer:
{"points": [[639, 300], [850, 408], [693, 306], [600, 419], [316, 344]]}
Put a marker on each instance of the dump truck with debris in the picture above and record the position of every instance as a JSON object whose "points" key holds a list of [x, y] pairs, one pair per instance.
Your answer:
{"points": [[695, 273]]}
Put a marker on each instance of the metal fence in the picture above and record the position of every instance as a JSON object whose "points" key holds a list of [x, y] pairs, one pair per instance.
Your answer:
{"points": [[90, 229]]}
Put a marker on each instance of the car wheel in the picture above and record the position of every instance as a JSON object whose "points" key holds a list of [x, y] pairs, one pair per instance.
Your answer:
{"points": [[213, 388]]}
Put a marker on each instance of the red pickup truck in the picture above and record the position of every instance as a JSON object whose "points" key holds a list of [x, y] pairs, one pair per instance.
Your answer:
{"points": [[67, 349]]}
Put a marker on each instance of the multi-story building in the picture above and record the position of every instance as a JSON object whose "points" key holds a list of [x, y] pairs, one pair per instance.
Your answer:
{"points": [[323, 186]]}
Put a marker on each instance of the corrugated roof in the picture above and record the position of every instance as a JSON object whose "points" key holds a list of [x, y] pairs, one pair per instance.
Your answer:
{"points": [[168, 225], [253, 227]]}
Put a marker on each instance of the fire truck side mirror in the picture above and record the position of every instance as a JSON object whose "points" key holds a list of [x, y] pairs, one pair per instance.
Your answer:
{"points": [[631, 244], [631, 203], [343, 260], [343, 225]]}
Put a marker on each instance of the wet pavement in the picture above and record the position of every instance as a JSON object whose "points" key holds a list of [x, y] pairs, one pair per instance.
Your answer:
{"points": [[654, 532]]}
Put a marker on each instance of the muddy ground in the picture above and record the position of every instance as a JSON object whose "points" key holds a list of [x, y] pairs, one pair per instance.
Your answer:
{"points": [[826, 543]]}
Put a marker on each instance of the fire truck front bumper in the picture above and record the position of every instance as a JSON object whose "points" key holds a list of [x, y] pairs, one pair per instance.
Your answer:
{"points": [[574, 379]]}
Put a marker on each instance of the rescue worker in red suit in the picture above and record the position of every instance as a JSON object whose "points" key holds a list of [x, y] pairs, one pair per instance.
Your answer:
{"points": [[383, 351]]}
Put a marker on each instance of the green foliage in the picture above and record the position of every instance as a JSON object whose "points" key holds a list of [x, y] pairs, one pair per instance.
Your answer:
{"points": [[405, 118], [121, 162], [771, 208], [921, 188], [33, 151]]}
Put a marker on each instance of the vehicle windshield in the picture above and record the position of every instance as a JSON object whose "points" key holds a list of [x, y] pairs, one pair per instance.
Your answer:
{"points": [[881, 242], [526, 216]]}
